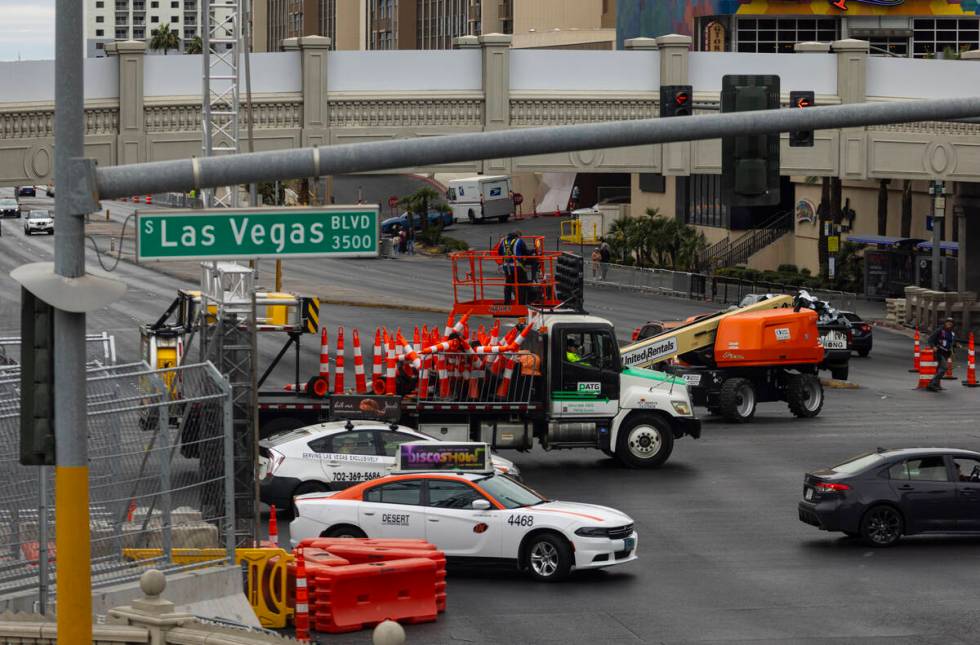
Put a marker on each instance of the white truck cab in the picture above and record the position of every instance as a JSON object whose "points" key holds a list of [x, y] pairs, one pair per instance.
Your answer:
{"points": [[480, 198], [632, 413]]}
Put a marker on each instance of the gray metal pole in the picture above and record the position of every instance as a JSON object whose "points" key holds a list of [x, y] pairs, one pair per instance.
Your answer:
{"points": [[228, 460], [71, 474], [228, 170], [163, 446], [938, 223]]}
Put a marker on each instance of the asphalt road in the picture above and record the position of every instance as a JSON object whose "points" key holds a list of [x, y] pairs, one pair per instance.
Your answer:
{"points": [[723, 557]]}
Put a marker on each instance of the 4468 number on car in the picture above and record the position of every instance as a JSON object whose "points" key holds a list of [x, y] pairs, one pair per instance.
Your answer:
{"points": [[521, 520]]}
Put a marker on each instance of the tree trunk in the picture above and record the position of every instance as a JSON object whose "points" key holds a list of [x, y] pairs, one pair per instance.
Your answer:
{"points": [[823, 211], [906, 208], [883, 206]]}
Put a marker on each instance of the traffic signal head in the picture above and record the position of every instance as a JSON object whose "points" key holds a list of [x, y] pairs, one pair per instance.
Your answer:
{"points": [[750, 163], [36, 381], [801, 138], [570, 280], [676, 100]]}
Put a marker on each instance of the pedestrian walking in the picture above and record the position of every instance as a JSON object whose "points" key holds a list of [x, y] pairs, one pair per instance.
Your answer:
{"points": [[410, 240], [576, 195], [596, 261], [942, 342], [402, 242], [605, 255]]}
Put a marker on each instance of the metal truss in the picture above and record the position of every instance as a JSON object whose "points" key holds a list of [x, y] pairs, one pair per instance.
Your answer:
{"points": [[221, 104]]}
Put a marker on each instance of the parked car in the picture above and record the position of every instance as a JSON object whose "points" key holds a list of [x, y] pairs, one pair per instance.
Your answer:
{"points": [[861, 334], [9, 207], [883, 495], [395, 224], [26, 191], [39, 222]]}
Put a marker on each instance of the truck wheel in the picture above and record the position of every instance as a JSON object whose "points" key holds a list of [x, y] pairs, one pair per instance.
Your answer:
{"points": [[504, 218], [737, 400], [804, 394], [840, 373], [471, 216], [645, 441]]}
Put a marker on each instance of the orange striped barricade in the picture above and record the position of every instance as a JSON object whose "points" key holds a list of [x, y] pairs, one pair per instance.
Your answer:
{"points": [[927, 367], [350, 598]]}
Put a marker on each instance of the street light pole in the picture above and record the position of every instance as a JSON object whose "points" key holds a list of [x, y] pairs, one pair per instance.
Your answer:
{"points": [[71, 472], [938, 199]]}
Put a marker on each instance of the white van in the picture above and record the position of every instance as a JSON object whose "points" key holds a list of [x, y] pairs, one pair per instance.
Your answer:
{"points": [[480, 198]]}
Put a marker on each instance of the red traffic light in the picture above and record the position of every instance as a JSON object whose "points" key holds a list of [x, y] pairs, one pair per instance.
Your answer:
{"points": [[803, 102], [681, 98]]}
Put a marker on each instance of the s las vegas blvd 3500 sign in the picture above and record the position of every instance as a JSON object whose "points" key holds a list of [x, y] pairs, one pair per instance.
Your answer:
{"points": [[233, 234]]}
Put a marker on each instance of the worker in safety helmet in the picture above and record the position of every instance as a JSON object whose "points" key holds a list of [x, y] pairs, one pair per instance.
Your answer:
{"points": [[572, 354], [941, 342], [514, 252]]}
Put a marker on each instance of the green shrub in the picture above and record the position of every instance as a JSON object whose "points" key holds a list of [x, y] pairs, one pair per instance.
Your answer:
{"points": [[450, 244], [787, 268]]}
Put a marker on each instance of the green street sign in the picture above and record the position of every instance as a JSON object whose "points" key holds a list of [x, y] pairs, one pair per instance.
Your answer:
{"points": [[248, 233]]}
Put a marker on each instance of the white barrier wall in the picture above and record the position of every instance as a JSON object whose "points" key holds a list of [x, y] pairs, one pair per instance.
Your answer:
{"points": [[181, 75], [405, 71], [817, 72], [33, 80], [607, 71], [918, 78]]}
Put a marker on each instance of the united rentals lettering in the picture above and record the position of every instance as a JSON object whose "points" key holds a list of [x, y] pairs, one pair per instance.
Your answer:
{"points": [[651, 353]]}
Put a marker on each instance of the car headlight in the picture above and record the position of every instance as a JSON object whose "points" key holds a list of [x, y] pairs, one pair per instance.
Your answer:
{"points": [[681, 408], [592, 531]]}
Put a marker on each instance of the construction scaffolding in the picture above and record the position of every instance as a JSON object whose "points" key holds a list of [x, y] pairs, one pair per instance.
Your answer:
{"points": [[228, 340], [221, 104]]}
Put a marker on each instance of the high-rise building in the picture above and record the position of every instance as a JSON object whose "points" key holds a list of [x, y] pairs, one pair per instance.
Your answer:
{"points": [[433, 24], [110, 20]]}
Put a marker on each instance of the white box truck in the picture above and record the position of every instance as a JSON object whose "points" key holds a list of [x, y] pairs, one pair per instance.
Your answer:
{"points": [[479, 198]]}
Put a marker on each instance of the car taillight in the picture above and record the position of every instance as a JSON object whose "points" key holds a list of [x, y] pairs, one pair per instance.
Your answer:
{"points": [[636, 334], [831, 487], [850, 336], [275, 460], [866, 328]]}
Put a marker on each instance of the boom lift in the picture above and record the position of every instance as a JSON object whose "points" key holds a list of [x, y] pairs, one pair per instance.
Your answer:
{"points": [[734, 359]]}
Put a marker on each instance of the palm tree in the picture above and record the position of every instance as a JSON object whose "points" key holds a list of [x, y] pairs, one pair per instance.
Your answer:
{"points": [[418, 204], [165, 39], [196, 46]]}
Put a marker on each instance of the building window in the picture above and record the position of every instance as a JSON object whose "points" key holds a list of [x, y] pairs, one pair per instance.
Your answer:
{"points": [[885, 45], [705, 202], [154, 18], [100, 46], [100, 19], [174, 5], [174, 19], [931, 36], [154, 5], [778, 35], [99, 33], [99, 5]]}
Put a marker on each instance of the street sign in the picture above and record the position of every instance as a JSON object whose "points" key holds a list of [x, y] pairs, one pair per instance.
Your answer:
{"points": [[248, 233]]}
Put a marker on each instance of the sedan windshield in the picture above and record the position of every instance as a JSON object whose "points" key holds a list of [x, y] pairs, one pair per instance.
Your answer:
{"points": [[509, 493], [38, 215], [8, 203]]}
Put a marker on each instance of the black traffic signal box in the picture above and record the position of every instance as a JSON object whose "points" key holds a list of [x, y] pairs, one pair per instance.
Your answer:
{"points": [[676, 100], [570, 280], [36, 381], [801, 138], [750, 162]]}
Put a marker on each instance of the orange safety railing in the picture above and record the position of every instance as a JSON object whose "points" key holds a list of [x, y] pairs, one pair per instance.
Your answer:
{"points": [[488, 284]]}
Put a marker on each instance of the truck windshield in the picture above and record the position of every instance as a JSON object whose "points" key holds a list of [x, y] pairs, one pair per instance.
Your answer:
{"points": [[509, 493]]}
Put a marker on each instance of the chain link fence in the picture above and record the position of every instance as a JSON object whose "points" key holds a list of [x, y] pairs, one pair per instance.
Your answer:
{"points": [[728, 291], [158, 449]]}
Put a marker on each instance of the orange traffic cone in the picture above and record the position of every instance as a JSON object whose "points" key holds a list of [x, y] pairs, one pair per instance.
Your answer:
{"points": [[273, 525], [324, 354], [131, 512], [971, 365], [927, 368], [916, 351], [301, 619], [360, 381], [377, 370], [390, 366], [338, 384], [948, 376]]}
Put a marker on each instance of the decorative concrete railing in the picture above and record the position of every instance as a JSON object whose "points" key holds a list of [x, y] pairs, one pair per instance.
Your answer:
{"points": [[142, 108]]}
